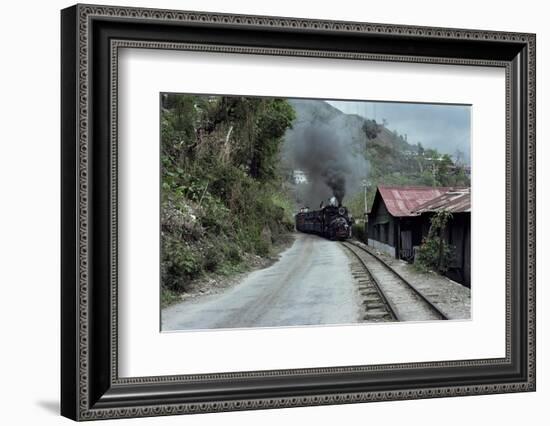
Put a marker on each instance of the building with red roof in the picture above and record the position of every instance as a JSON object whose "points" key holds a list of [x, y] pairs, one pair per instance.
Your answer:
{"points": [[402, 201], [399, 219]]}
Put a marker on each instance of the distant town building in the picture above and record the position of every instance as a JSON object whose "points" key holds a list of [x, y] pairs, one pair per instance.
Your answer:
{"points": [[299, 177], [409, 153]]}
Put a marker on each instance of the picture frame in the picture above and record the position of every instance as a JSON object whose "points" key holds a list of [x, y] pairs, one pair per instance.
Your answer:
{"points": [[90, 385]]}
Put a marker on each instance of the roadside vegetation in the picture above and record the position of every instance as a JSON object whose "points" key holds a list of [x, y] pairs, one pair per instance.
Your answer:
{"points": [[222, 196]]}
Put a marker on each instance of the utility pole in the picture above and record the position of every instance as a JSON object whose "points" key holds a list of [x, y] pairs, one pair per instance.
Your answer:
{"points": [[365, 184]]}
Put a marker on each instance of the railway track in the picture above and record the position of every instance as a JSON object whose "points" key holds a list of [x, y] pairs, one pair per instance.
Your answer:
{"points": [[377, 308], [384, 290]]}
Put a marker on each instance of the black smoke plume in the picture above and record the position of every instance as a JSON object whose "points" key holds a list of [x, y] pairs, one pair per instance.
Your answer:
{"points": [[322, 154], [329, 147], [335, 179]]}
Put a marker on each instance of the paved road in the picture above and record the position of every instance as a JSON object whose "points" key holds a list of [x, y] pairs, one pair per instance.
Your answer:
{"points": [[310, 284]]}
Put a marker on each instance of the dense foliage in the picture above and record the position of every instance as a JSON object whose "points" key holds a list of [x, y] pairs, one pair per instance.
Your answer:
{"points": [[435, 253], [222, 198]]}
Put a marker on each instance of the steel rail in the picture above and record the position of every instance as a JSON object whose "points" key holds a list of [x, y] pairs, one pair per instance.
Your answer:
{"points": [[385, 300], [400, 277]]}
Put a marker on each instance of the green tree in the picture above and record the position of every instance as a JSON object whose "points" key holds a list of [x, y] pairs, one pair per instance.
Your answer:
{"points": [[443, 170], [274, 118]]}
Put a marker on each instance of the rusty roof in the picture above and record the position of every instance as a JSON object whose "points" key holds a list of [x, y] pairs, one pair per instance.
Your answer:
{"points": [[404, 200], [456, 200]]}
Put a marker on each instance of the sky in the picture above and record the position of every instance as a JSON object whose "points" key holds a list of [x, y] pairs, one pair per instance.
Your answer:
{"points": [[442, 127]]}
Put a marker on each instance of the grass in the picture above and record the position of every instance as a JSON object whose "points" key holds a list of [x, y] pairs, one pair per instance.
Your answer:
{"points": [[168, 297]]}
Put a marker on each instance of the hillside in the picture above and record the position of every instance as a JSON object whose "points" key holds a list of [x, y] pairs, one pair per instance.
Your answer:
{"points": [[361, 150], [222, 205]]}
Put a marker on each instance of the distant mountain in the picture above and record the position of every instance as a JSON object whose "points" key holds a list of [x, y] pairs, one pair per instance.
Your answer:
{"points": [[361, 132], [360, 149]]}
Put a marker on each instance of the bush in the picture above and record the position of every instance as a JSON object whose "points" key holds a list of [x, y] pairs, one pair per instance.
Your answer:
{"points": [[179, 264], [232, 253], [435, 253], [262, 247], [213, 257]]}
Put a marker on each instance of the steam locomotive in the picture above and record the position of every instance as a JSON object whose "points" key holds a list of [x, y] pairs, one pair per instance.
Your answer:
{"points": [[331, 221]]}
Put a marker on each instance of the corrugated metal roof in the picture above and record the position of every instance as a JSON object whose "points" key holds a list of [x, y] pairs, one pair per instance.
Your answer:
{"points": [[455, 200], [404, 200]]}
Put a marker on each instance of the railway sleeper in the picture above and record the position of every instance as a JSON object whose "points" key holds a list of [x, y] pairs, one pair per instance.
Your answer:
{"points": [[375, 306], [377, 316]]}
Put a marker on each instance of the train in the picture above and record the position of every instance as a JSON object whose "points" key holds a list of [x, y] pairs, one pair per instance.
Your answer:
{"points": [[332, 221]]}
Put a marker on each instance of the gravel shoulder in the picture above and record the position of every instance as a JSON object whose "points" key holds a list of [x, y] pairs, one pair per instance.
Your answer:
{"points": [[452, 298]]}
